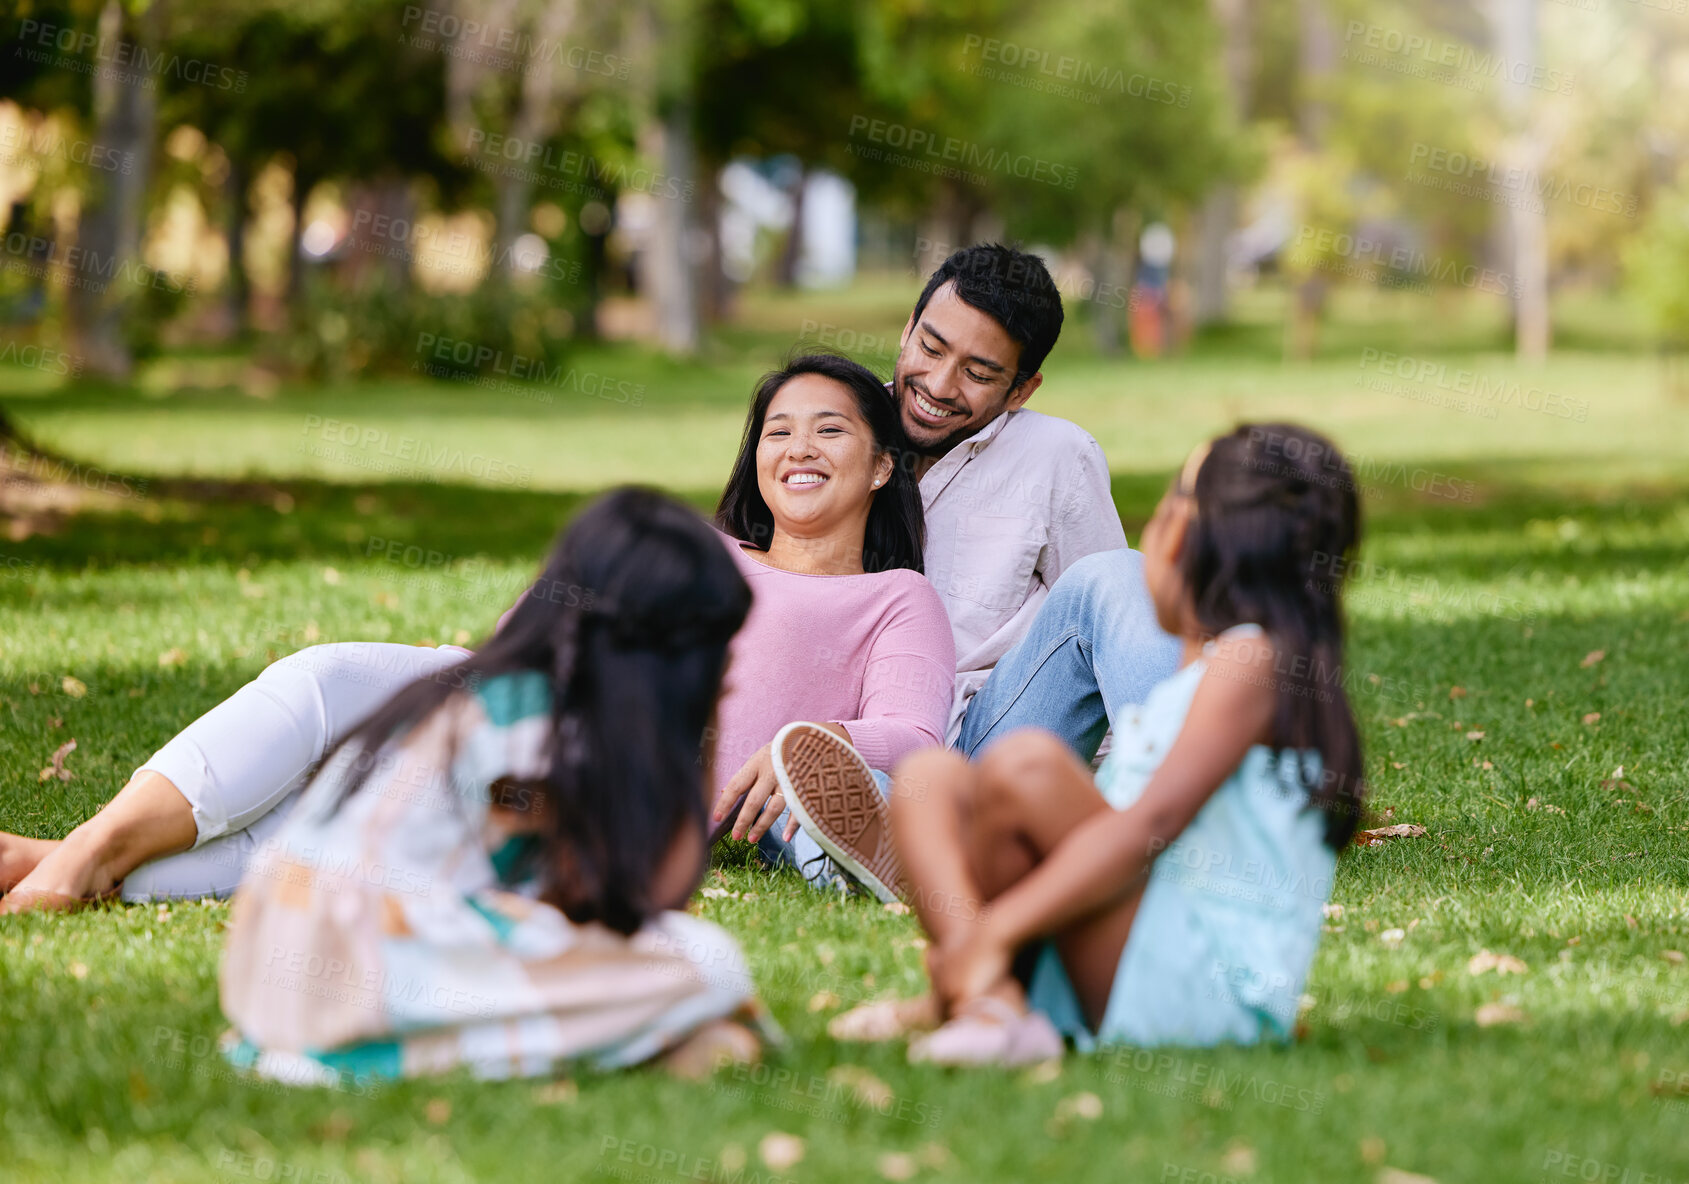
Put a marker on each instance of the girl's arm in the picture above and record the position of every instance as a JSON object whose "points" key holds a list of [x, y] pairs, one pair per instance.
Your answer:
{"points": [[1103, 859]]}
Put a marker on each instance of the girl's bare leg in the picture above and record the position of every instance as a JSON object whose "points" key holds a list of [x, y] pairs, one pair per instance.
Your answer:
{"points": [[966, 833], [148, 818], [18, 857]]}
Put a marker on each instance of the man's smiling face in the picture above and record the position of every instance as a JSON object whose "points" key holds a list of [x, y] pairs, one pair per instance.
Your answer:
{"points": [[954, 373]]}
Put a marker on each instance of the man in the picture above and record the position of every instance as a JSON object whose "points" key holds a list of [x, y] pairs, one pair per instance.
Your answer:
{"points": [[1015, 501]]}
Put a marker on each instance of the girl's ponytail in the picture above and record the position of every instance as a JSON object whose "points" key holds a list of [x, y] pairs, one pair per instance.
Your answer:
{"points": [[1277, 520]]}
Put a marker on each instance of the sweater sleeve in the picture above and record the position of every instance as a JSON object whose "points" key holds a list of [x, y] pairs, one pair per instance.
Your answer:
{"points": [[907, 680]]}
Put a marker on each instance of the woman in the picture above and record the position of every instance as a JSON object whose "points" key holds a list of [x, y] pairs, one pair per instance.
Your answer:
{"points": [[826, 526]]}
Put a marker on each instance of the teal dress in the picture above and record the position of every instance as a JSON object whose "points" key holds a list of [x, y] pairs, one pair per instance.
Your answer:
{"points": [[1230, 917]]}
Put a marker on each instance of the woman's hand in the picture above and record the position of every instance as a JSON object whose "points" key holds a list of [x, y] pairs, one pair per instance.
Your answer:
{"points": [[969, 965], [764, 802]]}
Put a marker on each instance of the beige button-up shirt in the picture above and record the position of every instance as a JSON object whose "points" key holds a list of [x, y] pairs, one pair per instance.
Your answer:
{"points": [[1007, 512]]}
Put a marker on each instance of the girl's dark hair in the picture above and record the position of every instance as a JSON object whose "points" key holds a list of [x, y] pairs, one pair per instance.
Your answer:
{"points": [[629, 623], [896, 531], [1277, 518]]}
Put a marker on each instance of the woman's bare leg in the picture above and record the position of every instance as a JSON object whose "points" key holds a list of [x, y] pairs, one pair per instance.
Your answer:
{"points": [[966, 833], [148, 818]]}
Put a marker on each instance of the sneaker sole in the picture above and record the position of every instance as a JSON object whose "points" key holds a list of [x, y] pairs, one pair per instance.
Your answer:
{"points": [[807, 755]]}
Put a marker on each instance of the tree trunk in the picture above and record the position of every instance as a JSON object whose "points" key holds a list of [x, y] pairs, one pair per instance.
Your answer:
{"points": [[1525, 149], [237, 295], [109, 229], [303, 183], [1317, 54], [670, 270], [791, 251], [1218, 217]]}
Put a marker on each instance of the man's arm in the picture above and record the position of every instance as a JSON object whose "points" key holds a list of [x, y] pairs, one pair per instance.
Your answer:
{"points": [[1088, 521]]}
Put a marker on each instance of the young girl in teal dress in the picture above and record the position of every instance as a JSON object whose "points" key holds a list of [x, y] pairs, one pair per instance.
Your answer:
{"points": [[1177, 897]]}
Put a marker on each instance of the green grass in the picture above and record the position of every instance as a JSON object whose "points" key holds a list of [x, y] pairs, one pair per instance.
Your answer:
{"points": [[1570, 539]]}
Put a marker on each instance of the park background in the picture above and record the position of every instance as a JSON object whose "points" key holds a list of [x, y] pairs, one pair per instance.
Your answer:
{"points": [[317, 321]]}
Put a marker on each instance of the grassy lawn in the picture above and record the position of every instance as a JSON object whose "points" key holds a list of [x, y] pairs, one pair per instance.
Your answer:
{"points": [[1504, 554]]}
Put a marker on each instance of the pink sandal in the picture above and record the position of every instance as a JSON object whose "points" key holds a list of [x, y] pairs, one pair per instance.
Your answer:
{"points": [[989, 1031]]}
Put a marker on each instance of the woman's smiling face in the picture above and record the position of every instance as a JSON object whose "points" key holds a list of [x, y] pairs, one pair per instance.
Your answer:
{"points": [[817, 463]]}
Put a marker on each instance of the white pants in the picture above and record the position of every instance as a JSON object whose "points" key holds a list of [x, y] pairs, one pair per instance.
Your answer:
{"points": [[242, 764]]}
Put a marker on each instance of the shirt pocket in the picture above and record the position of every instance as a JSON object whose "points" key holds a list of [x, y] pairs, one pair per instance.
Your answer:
{"points": [[995, 556]]}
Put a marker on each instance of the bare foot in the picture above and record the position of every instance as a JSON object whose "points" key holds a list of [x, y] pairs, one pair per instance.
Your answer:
{"points": [[888, 1019], [706, 1051], [18, 857], [66, 878]]}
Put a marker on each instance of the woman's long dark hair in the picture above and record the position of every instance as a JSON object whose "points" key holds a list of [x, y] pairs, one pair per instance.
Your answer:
{"points": [[629, 622], [1277, 518], [896, 533]]}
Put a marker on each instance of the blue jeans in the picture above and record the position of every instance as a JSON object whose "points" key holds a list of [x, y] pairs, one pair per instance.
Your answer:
{"points": [[1093, 648]]}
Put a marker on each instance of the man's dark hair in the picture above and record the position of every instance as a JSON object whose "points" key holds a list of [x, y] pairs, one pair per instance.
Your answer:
{"points": [[1013, 288]]}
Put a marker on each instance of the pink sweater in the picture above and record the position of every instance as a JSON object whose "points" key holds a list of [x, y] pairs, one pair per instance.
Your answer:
{"points": [[873, 652]]}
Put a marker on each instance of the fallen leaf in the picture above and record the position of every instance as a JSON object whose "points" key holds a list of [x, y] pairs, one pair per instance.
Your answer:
{"points": [[1332, 912], [1397, 1176], [896, 1165], [554, 1093], [1239, 1160], [57, 768], [1483, 961], [78, 970], [330, 576], [780, 1151], [1592, 718], [1457, 692], [867, 1089], [1673, 956], [1592, 657], [715, 893], [1043, 1072], [1372, 1149], [1491, 1014], [1401, 830], [1630, 921], [1393, 937], [1396, 988], [898, 908], [74, 687], [1474, 735], [823, 1001], [438, 1111], [174, 656]]}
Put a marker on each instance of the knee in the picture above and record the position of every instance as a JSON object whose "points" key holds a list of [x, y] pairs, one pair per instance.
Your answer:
{"points": [[924, 775], [1020, 764]]}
